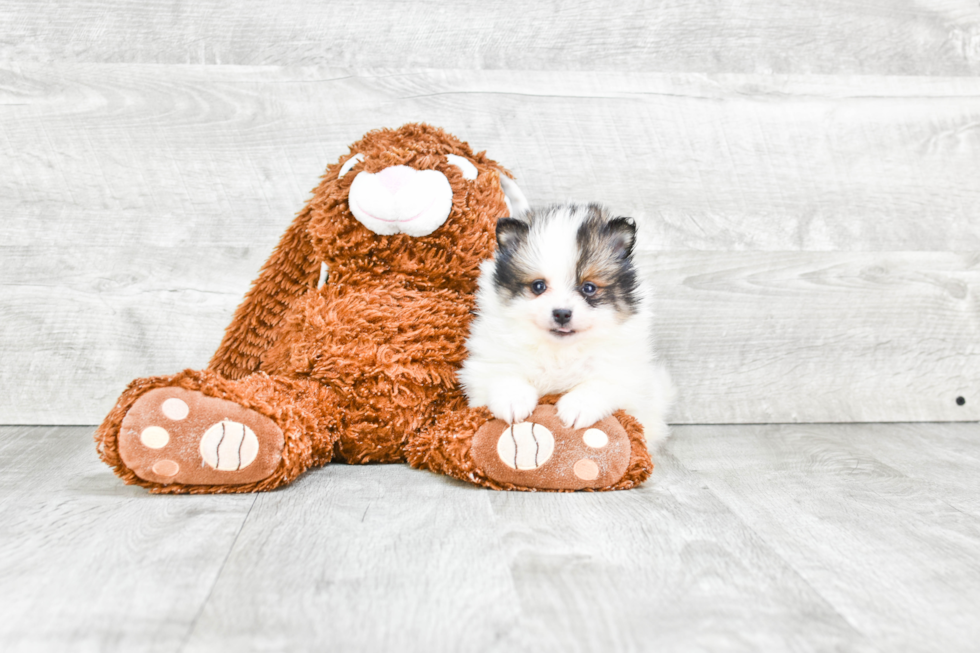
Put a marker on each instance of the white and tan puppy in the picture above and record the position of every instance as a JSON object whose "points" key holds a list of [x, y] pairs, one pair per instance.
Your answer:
{"points": [[561, 309]]}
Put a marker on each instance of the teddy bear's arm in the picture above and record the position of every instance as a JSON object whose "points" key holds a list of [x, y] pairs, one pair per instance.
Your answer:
{"points": [[288, 273]]}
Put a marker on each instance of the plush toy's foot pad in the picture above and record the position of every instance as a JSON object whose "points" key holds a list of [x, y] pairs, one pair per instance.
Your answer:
{"points": [[541, 453], [173, 435]]}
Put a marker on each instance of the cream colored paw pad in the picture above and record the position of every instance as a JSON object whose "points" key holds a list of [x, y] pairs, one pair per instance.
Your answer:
{"points": [[586, 469], [595, 438], [166, 468], [175, 409], [525, 446], [229, 446], [154, 437]]}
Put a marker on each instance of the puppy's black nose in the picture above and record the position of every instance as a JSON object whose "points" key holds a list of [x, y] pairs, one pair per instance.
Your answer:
{"points": [[562, 316]]}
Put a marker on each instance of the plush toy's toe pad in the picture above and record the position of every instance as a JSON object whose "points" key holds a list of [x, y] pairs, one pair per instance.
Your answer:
{"points": [[541, 453], [173, 435]]}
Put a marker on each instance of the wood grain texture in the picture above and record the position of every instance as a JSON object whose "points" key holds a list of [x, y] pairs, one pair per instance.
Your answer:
{"points": [[178, 155], [666, 567], [749, 337], [88, 564], [76, 328], [831, 36], [819, 337], [388, 560], [842, 518], [141, 200], [949, 469], [662, 570], [746, 538]]}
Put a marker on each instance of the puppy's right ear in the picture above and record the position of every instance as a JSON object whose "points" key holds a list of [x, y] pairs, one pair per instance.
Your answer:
{"points": [[510, 233]]}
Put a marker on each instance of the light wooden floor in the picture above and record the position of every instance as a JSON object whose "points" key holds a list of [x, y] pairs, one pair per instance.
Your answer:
{"points": [[747, 538]]}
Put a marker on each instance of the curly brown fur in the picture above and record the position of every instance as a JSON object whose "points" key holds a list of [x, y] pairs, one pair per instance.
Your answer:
{"points": [[350, 371], [389, 368], [361, 369], [325, 231]]}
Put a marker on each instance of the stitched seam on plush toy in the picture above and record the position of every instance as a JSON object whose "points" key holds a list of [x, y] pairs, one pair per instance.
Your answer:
{"points": [[217, 450], [537, 445]]}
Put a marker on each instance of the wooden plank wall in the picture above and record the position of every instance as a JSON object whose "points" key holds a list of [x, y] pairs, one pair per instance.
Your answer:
{"points": [[806, 177]]}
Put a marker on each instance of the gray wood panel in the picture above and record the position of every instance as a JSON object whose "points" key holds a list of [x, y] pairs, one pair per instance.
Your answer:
{"points": [[746, 538], [749, 337], [782, 36], [88, 564], [845, 520], [79, 325], [819, 337], [140, 201], [138, 155]]}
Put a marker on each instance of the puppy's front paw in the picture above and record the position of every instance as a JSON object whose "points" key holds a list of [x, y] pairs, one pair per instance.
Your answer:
{"points": [[513, 402], [581, 408]]}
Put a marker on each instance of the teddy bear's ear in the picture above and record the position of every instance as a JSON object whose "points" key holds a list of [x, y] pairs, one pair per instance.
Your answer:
{"points": [[513, 195], [510, 232]]}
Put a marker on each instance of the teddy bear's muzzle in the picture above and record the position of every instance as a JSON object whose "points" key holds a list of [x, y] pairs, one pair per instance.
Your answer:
{"points": [[401, 199]]}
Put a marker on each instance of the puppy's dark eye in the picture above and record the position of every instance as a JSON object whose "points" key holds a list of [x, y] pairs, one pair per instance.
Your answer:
{"points": [[538, 287], [589, 289]]}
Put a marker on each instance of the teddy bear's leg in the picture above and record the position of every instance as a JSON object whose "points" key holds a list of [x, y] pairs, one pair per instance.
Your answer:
{"points": [[538, 454], [198, 432]]}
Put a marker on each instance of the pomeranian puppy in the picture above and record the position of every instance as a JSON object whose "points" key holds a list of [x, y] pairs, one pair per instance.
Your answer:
{"points": [[561, 309]]}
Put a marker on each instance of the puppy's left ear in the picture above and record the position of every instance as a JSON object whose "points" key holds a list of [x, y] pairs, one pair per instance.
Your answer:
{"points": [[622, 236], [510, 232]]}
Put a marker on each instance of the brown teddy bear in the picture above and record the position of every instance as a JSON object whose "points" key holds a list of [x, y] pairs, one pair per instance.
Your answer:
{"points": [[346, 347]]}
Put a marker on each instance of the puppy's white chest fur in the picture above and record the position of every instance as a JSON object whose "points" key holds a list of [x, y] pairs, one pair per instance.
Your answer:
{"points": [[558, 369]]}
